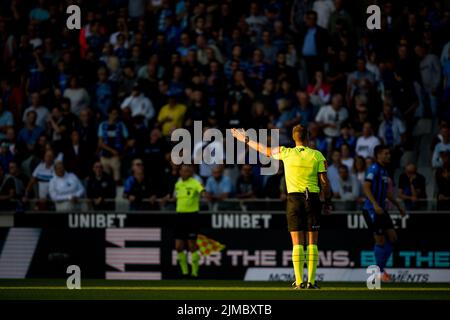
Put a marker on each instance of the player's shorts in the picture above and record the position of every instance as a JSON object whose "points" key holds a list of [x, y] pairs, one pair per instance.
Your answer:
{"points": [[303, 214], [186, 226], [378, 223]]}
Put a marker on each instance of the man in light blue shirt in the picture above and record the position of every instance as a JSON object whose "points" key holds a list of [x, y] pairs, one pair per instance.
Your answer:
{"points": [[218, 187]]}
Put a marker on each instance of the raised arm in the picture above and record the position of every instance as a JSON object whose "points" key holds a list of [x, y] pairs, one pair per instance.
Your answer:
{"points": [[239, 134]]}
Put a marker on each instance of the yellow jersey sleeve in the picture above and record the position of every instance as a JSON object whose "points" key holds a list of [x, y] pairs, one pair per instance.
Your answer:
{"points": [[200, 187], [322, 162], [279, 153]]}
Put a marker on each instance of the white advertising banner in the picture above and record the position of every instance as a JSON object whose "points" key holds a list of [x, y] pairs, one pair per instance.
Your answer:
{"points": [[350, 275]]}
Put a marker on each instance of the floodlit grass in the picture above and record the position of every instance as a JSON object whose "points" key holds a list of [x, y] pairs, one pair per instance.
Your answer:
{"points": [[55, 289]]}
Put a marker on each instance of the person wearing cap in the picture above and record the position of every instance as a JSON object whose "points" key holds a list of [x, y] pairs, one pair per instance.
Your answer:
{"points": [[171, 115]]}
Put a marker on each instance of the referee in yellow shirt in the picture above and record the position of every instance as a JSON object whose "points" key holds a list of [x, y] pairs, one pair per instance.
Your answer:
{"points": [[187, 194], [305, 171]]}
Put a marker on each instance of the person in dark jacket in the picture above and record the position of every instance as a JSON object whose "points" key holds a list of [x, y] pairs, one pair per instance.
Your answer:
{"points": [[101, 189]]}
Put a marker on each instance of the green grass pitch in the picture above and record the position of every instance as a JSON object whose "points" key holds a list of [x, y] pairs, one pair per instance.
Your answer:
{"points": [[55, 289]]}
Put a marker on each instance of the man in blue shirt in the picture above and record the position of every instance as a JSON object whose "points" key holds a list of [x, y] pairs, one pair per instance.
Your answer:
{"points": [[314, 44], [30, 133], [374, 211], [218, 187]]}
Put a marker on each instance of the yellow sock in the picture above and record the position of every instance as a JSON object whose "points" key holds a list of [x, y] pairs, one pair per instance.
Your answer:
{"points": [[298, 260], [312, 257], [195, 260], [182, 260]]}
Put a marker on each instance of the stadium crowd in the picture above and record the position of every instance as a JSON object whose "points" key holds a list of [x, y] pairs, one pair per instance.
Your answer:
{"points": [[88, 113]]}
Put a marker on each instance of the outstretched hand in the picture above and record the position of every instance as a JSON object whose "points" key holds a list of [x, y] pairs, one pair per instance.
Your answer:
{"points": [[239, 134]]}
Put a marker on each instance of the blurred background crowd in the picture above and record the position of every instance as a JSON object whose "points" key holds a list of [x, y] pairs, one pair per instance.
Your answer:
{"points": [[87, 114]]}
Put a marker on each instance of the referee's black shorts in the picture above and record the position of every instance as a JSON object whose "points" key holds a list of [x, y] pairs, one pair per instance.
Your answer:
{"points": [[303, 214], [186, 226]]}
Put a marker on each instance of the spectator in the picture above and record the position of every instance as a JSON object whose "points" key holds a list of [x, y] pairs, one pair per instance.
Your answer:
{"points": [[7, 192], [138, 190], [365, 145], [333, 171], [314, 44], [20, 181], [324, 8], [430, 76], [57, 128], [316, 139], [29, 134], [88, 131], [346, 156], [41, 176], [5, 156], [103, 97], [443, 182], [218, 187], [391, 130], [349, 186], [65, 189], [304, 108], [440, 147], [332, 116], [246, 184], [6, 121], [171, 115], [112, 141], [268, 49], [412, 188], [340, 18], [76, 157], [319, 90], [359, 169], [101, 189], [255, 21], [41, 111], [346, 137], [79, 97], [153, 154], [138, 105]]}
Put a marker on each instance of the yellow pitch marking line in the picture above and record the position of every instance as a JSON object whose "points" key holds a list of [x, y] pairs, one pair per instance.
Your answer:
{"points": [[181, 288]]}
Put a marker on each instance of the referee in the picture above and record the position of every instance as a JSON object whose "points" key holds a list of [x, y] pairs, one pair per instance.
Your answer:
{"points": [[187, 193], [305, 171]]}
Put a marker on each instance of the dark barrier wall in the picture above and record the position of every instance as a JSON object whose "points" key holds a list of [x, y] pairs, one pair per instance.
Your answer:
{"points": [[140, 246]]}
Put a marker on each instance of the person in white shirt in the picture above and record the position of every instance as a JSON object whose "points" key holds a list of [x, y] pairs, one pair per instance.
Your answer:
{"points": [[41, 111], [332, 116], [255, 20], [41, 176], [324, 8], [366, 144], [440, 147], [349, 187], [79, 97], [138, 104], [65, 189]]}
